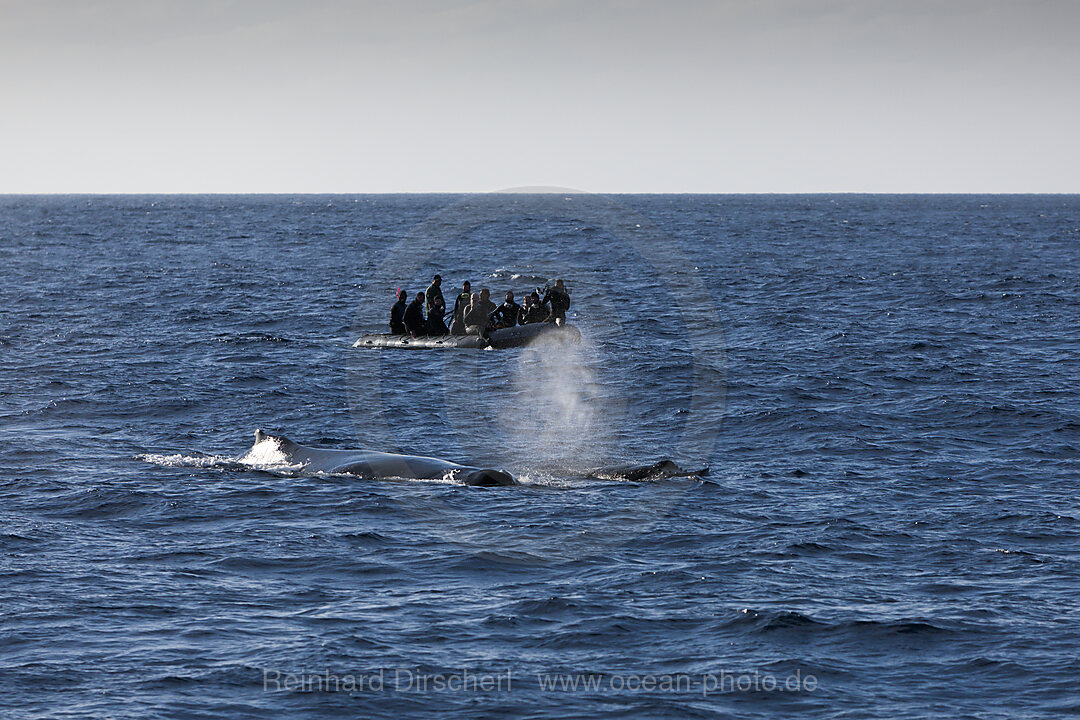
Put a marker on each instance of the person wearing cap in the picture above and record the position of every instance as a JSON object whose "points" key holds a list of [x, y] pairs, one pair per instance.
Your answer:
{"points": [[434, 290], [415, 322], [397, 314]]}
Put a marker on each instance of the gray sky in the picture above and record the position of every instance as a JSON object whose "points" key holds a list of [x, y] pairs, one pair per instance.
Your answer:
{"points": [[603, 96]]}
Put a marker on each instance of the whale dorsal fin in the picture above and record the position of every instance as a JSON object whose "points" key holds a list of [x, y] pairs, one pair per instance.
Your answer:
{"points": [[283, 442]]}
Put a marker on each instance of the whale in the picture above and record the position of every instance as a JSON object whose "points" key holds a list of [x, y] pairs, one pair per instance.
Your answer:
{"points": [[272, 449], [658, 470]]}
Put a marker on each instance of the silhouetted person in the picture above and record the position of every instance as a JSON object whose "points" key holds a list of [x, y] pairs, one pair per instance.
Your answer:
{"points": [[434, 291], [508, 314], [435, 323], [397, 314], [559, 299], [533, 311], [414, 316]]}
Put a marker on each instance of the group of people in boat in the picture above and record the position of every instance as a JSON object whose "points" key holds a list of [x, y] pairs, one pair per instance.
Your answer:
{"points": [[474, 313]]}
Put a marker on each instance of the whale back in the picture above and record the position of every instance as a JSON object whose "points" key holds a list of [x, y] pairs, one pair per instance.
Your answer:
{"points": [[272, 449], [665, 468]]}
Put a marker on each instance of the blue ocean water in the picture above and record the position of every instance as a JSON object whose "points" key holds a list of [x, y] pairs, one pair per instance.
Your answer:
{"points": [[885, 388]]}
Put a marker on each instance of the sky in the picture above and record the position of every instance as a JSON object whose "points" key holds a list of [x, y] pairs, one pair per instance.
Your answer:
{"points": [[611, 96]]}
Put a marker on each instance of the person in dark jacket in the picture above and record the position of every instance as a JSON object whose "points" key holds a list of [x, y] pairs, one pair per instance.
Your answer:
{"points": [[435, 323], [434, 292], [559, 299], [397, 314], [508, 314], [415, 322], [533, 312], [526, 306], [457, 325]]}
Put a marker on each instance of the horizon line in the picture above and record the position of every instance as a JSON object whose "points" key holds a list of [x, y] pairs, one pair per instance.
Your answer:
{"points": [[523, 191]]}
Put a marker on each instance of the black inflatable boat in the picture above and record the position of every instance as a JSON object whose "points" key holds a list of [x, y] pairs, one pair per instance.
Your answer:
{"points": [[496, 339]]}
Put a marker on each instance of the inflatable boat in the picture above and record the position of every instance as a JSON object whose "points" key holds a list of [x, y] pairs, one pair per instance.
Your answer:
{"points": [[496, 339]]}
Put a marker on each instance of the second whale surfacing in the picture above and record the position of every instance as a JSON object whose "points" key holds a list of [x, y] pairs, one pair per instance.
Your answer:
{"points": [[657, 471], [278, 449]]}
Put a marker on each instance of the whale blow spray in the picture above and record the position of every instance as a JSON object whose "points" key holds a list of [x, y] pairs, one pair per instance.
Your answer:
{"points": [[561, 417]]}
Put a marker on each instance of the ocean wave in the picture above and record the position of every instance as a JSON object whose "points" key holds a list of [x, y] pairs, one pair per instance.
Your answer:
{"points": [[771, 621], [192, 461]]}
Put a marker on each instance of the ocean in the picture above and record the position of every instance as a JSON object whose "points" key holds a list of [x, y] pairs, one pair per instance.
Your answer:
{"points": [[884, 387]]}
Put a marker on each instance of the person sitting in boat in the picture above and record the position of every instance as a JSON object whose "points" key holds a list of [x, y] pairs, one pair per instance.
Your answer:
{"points": [[488, 306], [457, 325], [435, 323], [397, 314], [474, 319], [508, 314], [433, 293], [533, 311], [526, 306], [478, 314], [559, 299], [415, 323]]}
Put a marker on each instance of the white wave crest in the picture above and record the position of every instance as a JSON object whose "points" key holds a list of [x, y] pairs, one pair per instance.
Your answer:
{"points": [[181, 460]]}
